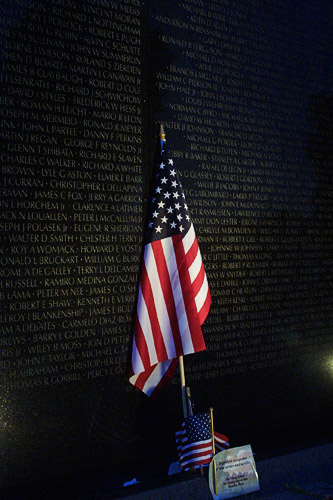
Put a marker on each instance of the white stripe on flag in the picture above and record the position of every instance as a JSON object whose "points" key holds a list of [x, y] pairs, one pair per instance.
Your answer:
{"points": [[201, 296], [171, 262], [208, 449], [189, 238], [144, 320], [196, 459], [134, 378], [159, 301], [205, 442], [195, 268], [156, 376], [136, 361]]}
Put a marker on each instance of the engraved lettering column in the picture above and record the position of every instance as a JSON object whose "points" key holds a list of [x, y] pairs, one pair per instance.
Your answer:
{"points": [[252, 157], [72, 193]]}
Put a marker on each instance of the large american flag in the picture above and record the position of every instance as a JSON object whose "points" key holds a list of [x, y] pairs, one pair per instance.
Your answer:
{"points": [[194, 441], [174, 297]]}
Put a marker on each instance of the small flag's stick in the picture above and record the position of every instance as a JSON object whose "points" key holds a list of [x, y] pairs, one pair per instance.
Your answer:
{"points": [[213, 450], [189, 403], [162, 136], [183, 386], [212, 428]]}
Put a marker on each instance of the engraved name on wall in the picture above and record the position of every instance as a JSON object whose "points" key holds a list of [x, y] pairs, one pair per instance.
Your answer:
{"points": [[71, 134], [252, 159]]}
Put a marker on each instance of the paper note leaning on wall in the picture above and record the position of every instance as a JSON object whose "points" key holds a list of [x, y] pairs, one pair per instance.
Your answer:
{"points": [[233, 473]]}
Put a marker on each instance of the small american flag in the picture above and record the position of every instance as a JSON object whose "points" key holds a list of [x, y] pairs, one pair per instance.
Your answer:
{"points": [[221, 442], [194, 441], [174, 297]]}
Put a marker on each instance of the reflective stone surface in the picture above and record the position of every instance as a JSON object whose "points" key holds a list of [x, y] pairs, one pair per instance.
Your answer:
{"points": [[243, 91]]}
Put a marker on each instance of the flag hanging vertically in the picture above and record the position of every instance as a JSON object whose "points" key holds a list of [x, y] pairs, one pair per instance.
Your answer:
{"points": [[174, 297]]}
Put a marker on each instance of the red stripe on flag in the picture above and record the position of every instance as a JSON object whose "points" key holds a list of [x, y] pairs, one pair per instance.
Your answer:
{"points": [[202, 314], [197, 283], [192, 252], [141, 344], [221, 441], [143, 377], [166, 287], [164, 382], [201, 453], [190, 307], [155, 326]]}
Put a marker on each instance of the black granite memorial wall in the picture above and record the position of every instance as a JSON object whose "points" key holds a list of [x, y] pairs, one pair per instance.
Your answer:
{"points": [[244, 91]]}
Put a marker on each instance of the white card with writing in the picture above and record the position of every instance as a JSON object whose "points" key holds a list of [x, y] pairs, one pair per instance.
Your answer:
{"points": [[232, 473]]}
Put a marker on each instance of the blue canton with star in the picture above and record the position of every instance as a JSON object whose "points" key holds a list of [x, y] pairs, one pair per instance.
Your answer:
{"points": [[198, 427], [169, 214]]}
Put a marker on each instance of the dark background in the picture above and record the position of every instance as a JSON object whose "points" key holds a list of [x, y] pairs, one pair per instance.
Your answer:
{"points": [[244, 91]]}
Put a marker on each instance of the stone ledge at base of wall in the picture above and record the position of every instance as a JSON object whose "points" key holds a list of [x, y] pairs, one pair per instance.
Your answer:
{"points": [[280, 478]]}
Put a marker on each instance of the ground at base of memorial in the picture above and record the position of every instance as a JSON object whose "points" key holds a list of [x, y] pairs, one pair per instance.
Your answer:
{"points": [[323, 491], [304, 474], [301, 475]]}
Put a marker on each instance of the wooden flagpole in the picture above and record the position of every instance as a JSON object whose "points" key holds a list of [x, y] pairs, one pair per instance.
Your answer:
{"points": [[213, 451], [187, 408], [162, 136], [185, 401], [212, 429]]}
